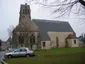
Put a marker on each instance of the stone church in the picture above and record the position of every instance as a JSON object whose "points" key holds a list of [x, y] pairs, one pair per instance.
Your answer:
{"points": [[41, 33]]}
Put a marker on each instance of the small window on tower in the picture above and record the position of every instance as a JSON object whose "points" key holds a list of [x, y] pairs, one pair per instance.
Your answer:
{"points": [[25, 7], [23, 11], [26, 11]]}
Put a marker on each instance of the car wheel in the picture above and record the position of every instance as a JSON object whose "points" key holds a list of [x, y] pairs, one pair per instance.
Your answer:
{"points": [[9, 56], [27, 55]]}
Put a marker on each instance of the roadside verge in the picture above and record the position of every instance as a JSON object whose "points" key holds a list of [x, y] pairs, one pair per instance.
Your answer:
{"points": [[3, 62]]}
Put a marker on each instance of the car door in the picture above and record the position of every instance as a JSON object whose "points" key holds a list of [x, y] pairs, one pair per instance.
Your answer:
{"points": [[23, 52], [16, 52]]}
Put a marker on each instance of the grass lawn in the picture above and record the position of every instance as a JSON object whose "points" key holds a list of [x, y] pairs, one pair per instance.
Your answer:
{"points": [[53, 56]]}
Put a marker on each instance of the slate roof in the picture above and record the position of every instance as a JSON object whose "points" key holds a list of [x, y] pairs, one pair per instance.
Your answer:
{"points": [[44, 36], [51, 25]]}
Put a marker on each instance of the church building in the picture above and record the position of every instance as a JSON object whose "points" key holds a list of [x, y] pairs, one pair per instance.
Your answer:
{"points": [[41, 33]]}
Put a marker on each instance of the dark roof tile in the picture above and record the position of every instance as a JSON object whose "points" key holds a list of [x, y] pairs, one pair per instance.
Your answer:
{"points": [[50, 25]]}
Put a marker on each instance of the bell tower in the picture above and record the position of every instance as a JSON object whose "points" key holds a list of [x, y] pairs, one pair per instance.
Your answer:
{"points": [[25, 33], [25, 12]]}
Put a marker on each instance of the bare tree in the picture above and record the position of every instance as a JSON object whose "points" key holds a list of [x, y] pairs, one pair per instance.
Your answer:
{"points": [[10, 29], [63, 7]]}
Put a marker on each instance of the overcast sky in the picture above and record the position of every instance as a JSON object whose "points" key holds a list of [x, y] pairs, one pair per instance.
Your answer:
{"points": [[9, 15]]}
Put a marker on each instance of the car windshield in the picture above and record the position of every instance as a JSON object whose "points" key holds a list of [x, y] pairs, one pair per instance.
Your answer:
{"points": [[16, 50]]}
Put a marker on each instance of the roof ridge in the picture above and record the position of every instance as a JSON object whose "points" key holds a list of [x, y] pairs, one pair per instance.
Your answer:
{"points": [[54, 21]]}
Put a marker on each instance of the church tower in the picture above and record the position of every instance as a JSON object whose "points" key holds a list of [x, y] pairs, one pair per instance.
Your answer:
{"points": [[25, 33], [25, 11]]}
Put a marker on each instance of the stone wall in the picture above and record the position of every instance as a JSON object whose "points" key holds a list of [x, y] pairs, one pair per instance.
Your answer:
{"points": [[61, 38]]}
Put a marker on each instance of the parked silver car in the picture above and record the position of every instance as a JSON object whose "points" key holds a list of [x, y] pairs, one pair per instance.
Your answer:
{"points": [[23, 51]]}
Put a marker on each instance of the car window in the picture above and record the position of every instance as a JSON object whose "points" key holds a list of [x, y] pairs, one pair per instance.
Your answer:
{"points": [[23, 50], [17, 50]]}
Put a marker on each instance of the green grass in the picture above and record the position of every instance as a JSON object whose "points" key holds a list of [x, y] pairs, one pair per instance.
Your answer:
{"points": [[53, 56]]}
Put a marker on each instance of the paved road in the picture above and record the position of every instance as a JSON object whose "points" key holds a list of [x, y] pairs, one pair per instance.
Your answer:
{"points": [[1, 55]]}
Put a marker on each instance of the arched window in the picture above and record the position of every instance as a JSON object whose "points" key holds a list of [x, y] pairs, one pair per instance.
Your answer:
{"points": [[21, 39], [32, 39]]}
